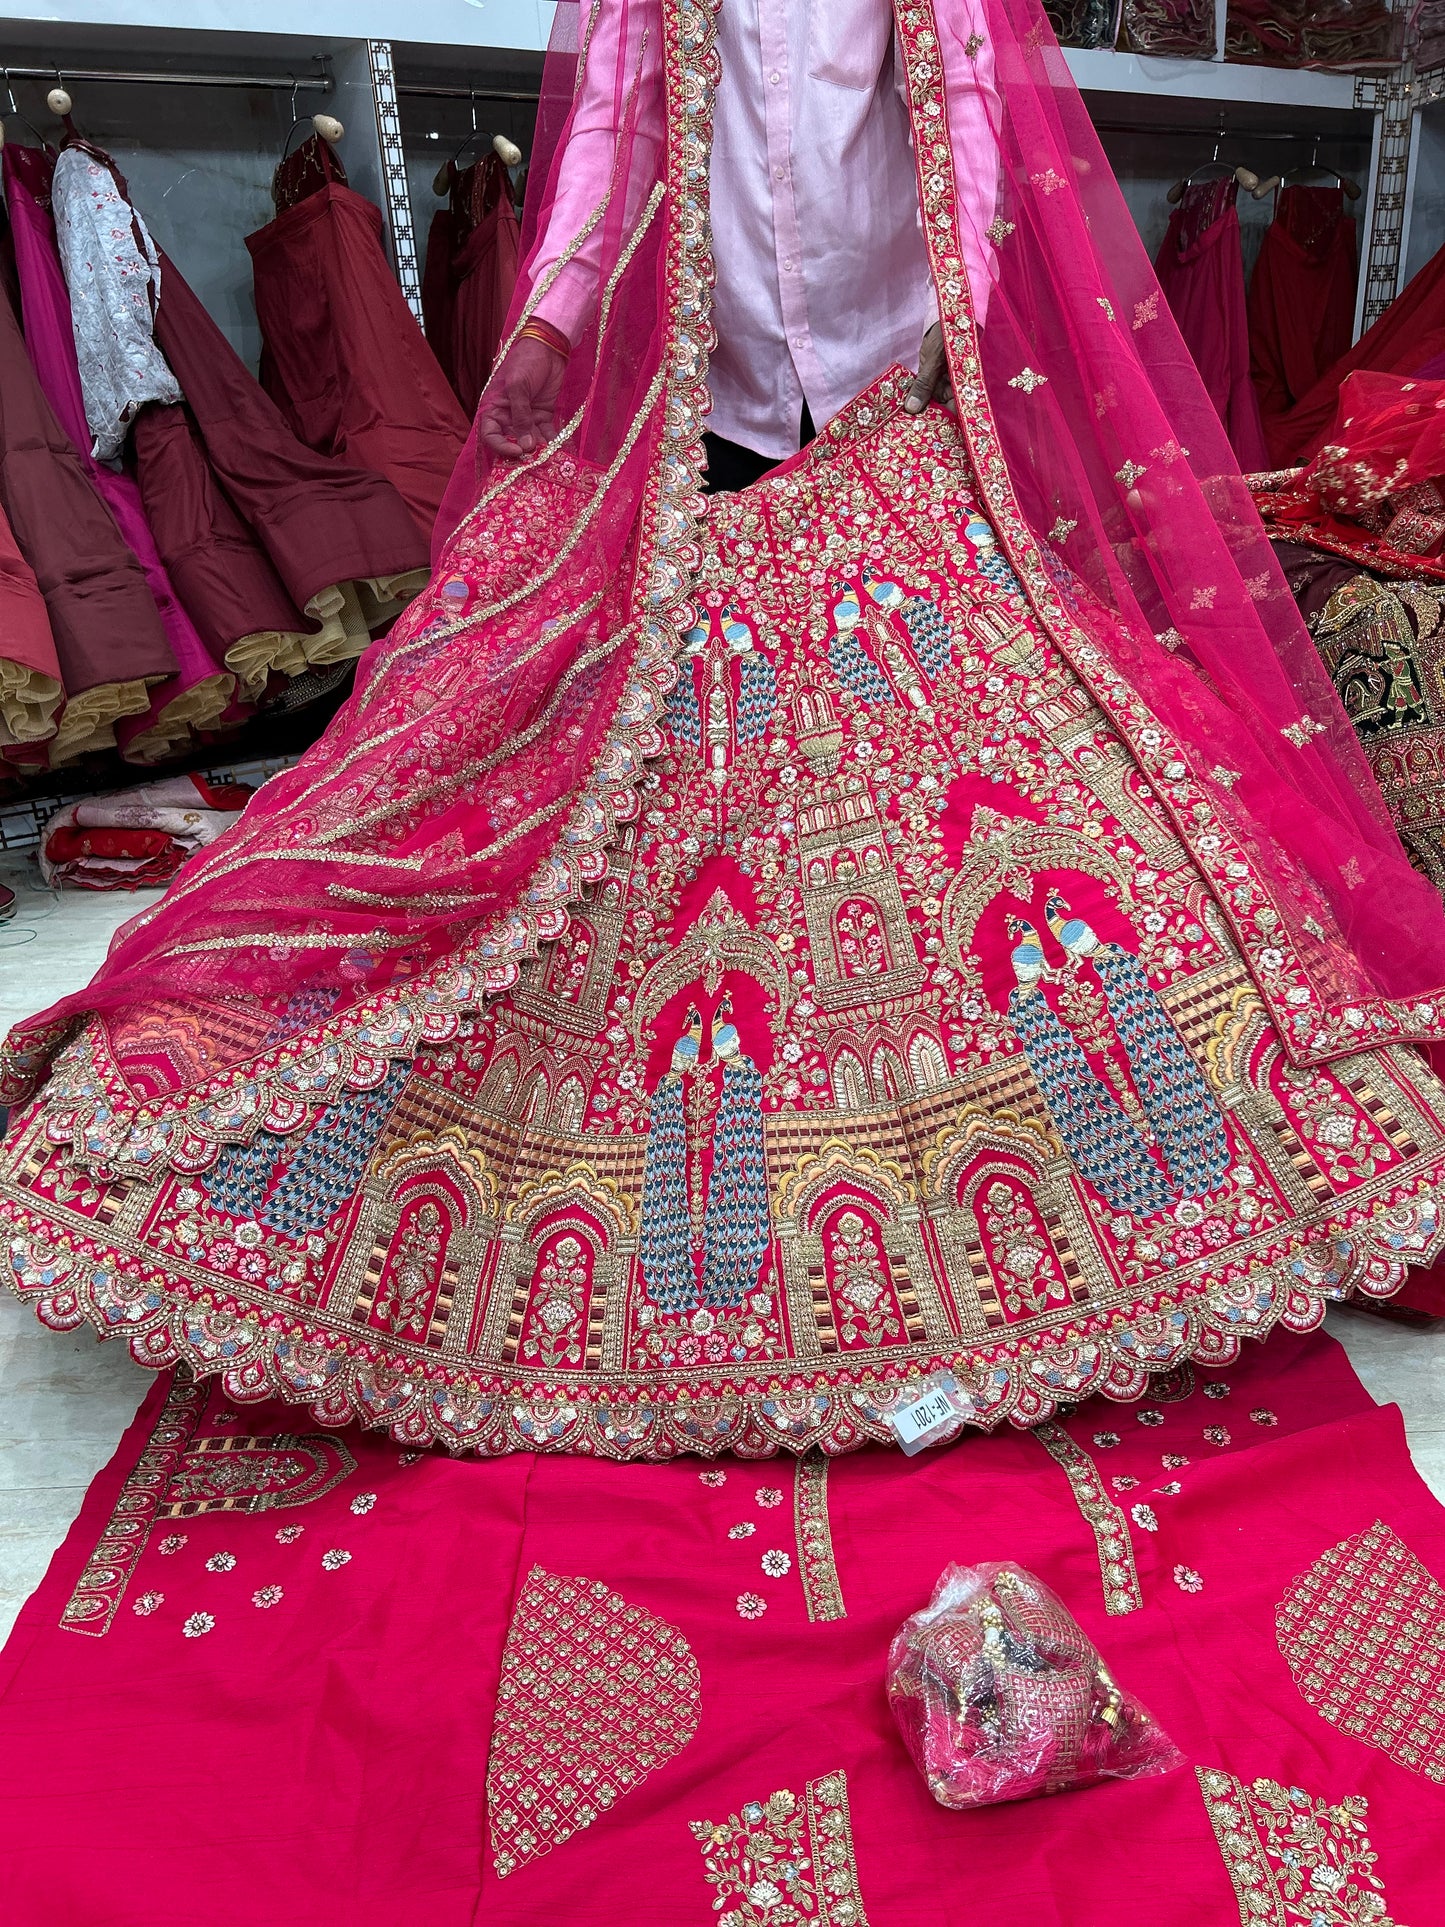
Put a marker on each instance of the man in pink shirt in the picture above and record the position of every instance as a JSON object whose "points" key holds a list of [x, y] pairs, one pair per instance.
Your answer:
{"points": [[822, 276]]}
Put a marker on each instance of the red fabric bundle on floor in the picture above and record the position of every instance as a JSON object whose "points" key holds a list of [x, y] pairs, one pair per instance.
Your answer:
{"points": [[1301, 300], [137, 838], [345, 357], [1201, 270]]}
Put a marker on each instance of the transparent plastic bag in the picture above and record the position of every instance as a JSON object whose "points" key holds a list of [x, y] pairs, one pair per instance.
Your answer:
{"points": [[1000, 1695]]}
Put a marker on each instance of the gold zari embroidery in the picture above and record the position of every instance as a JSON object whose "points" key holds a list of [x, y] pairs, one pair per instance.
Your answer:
{"points": [[817, 1569], [783, 1861], [1293, 1860], [1111, 1535]]}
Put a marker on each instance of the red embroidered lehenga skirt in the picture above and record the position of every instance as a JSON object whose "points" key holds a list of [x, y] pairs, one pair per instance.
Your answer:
{"points": [[902, 1032]]}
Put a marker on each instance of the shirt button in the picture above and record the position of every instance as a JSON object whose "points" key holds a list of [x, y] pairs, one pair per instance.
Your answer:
{"points": [[787, 267], [775, 78], [779, 173]]}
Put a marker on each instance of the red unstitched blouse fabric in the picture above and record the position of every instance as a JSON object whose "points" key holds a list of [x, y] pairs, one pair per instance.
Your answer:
{"points": [[345, 358], [1301, 300], [319, 1680], [1201, 270]]}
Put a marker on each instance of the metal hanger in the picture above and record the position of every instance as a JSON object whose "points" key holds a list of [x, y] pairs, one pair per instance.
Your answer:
{"points": [[506, 151], [1246, 176], [11, 109], [1353, 190]]}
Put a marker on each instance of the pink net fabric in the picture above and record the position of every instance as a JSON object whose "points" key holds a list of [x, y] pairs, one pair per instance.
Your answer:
{"points": [[1126, 514], [476, 779]]}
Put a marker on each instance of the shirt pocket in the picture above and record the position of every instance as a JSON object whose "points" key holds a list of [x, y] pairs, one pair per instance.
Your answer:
{"points": [[848, 41]]}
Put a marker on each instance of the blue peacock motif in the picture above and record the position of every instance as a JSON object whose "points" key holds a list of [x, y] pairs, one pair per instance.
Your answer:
{"points": [[992, 562], [757, 695], [665, 1247], [1105, 1146], [929, 633], [736, 1225], [1178, 1102], [848, 659]]}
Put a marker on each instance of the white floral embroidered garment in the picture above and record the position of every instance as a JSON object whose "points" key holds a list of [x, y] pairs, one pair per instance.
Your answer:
{"points": [[113, 273]]}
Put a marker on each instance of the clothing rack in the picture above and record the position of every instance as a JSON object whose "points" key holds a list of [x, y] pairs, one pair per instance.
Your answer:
{"points": [[467, 93], [320, 83]]}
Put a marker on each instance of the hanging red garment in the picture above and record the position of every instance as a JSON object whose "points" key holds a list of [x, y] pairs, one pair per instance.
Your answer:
{"points": [[201, 688], [346, 359], [1201, 270], [468, 292], [340, 539], [109, 643], [30, 687], [1407, 336], [1301, 300]]}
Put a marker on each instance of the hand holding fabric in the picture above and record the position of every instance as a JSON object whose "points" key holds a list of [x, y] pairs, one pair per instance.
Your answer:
{"points": [[931, 381], [518, 409]]}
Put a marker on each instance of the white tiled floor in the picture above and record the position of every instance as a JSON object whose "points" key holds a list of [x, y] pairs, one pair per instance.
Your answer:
{"points": [[65, 1400]]}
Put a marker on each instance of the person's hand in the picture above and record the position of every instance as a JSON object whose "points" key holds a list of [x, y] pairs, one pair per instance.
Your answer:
{"points": [[931, 381], [518, 409]]}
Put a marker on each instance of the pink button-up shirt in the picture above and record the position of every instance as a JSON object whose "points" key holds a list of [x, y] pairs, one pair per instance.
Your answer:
{"points": [[822, 273]]}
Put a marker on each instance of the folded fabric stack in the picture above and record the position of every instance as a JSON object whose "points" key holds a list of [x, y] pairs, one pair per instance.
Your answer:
{"points": [[137, 839]]}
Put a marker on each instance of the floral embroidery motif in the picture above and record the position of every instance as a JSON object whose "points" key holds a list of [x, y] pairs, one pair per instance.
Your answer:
{"points": [[1300, 733], [822, 1592], [743, 1530], [1149, 1416], [266, 1596], [1106, 1440], [221, 1562], [751, 1605], [1363, 1632], [334, 1560], [1263, 1416], [595, 1695], [1294, 1860], [712, 1477], [173, 1542], [1217, 1434], [1187, 1579], [198, 1624], [1217, 1388], [768, 1496], [148, 1602], [1028, 379], [1146, 311], [1145, 1516], [1117, 1572], [288, 1535], [783, 1862], [1063, 528], [999, 230], [1130, 473], [363, 1503], [776, 1563]]}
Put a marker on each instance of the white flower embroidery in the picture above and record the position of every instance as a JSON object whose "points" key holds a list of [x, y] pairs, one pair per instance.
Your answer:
{"points": [[173, 1542], [713, 1477], [1145, 1515], [1171, 1490], [266, 1596], [1028, 379], [1124, 1483], [330, 1561], [1217, 1434], [221, 1562], [1187, 1579], [751, 1606], [1106, 1439], [197, 1624], [1218, 1387], [148, 1602], [1150, 1417], [768, 1496], [743, 1530], [363, 1502], [1263, 1416], [288, 1535], [776, 1564], [1171, 1460]]}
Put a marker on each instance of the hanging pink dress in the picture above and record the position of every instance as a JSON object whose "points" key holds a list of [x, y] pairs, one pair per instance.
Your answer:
{"points": [[202, 689], [1201, 270]]}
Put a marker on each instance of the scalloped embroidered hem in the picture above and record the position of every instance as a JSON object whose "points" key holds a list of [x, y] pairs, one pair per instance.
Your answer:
{"points": [[900, 1028], [798, 1412]]}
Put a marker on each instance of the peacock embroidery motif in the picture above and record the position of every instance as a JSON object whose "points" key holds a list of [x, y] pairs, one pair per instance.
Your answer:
{"points": [[706, 1225], [1189, 1154]]}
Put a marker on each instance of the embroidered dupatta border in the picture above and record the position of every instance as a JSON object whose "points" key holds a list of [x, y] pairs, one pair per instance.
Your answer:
{"points": [[1287, 988]]}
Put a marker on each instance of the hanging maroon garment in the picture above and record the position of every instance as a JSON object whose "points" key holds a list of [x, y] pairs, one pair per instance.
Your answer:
{"points": [[1201, 270], [438, 292], [30, 686], [470, 303], [109, 642], [1406, 338], [1301, 301], [346, 358], [321, 523]]}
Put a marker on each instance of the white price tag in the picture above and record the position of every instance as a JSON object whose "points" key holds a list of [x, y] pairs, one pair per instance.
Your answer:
{"points": [[935, 1414]]}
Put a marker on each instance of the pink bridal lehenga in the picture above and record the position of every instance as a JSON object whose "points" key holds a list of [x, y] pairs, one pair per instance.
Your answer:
{"points": [[728, 959]]}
